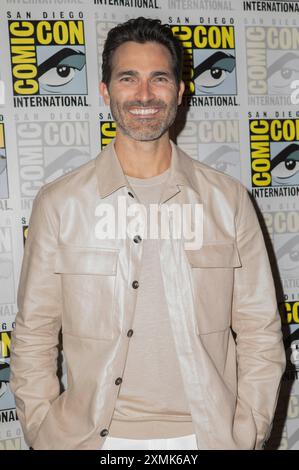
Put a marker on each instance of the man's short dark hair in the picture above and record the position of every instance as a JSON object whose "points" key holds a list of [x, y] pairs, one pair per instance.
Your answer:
{"points": [[142, 30]]}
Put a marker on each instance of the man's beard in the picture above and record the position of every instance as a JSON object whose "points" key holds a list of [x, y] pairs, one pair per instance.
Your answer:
{"points": [[144, 129]]}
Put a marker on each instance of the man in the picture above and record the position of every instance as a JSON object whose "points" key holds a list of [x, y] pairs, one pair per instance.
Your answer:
{"points": [[166, 343]]}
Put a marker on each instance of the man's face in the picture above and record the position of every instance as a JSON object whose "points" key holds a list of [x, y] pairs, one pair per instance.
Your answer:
{"points": [[142, 94]]}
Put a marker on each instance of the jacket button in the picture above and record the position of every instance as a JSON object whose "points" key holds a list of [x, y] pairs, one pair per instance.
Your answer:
{"points": [[118, 381], [130, 194], [104, 432], [137, 239], [130, 333], [135, 284]]}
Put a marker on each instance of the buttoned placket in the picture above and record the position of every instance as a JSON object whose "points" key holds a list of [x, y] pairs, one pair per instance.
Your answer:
{"points": [[136, 254]]}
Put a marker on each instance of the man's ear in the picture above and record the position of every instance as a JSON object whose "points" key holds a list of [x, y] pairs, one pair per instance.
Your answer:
{"points": [[104, 93], [181, 91]]}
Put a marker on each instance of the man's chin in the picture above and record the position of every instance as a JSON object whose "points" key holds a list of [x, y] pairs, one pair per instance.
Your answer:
{"points": [[146, 135], [146, 138]]}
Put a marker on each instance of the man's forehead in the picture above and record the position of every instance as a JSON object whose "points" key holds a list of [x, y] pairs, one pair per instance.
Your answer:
{"points": [[149, 53]]}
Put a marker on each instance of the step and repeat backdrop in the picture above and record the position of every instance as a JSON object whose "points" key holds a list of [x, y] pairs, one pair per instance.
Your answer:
{"points": [[240, 114]]}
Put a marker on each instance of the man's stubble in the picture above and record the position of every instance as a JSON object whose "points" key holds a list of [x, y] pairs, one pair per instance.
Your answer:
{"points": [[144, 129]]}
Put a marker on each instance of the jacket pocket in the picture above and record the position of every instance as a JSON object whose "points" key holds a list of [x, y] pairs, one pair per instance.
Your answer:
{"points": [[213, 280], [88, 279]]}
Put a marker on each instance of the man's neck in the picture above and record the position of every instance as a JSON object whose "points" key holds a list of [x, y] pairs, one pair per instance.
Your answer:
{"points": [[143, 159]]}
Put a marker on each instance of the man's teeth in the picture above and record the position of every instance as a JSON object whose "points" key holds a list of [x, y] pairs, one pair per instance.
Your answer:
{"points": [[144, 111]]}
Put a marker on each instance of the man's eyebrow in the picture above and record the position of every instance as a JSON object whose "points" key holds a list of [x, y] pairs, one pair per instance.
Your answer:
{"points": [[161, 72], [126, 72], [134, 73]]}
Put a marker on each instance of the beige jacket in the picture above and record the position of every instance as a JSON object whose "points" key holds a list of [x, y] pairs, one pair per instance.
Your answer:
{"points": [[73, 280]]}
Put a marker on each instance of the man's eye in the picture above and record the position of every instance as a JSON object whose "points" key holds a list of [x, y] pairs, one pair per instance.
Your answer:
{"points": [[160, 79], [126, 79]]}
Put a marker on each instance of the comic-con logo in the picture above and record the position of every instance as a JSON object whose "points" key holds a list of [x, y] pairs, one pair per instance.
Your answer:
{"points": [[5, 339], [272, 59], [289, 312], [209, 59], [4, 377], [107, 132], [287, 256], [283, 229], [25, 233], [215, 142], [7, 291], [3, 165], [291, 343], [38, 163], [48, 57], [274, 151]]}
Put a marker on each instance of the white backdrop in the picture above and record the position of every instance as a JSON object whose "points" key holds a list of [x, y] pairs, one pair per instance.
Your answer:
{"points": [[240, 115]]}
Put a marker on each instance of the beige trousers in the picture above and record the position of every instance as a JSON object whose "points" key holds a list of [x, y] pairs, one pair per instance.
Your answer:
{"points": [[182, 443]]}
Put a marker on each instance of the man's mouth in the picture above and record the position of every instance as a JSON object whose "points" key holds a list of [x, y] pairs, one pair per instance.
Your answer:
{"points": [[147, 112]]}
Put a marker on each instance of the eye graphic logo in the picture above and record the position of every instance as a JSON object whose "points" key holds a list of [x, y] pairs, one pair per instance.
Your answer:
{"points": [[209, 59], [214, 74], [285, 164], [4, 378], [287, 256], [61, 70], [283, 69], [215, 142], [225, 158], [67, 161], [291, 343], [5, 338], [48, 57], [3, 165], [272, 60], [274, 149]]}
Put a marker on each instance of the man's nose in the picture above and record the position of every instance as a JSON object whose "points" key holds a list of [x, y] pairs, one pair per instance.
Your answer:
{"points": [[145, 91]]}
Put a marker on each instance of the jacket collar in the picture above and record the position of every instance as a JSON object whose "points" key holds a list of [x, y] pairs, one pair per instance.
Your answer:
{"points": [[111, 177]]}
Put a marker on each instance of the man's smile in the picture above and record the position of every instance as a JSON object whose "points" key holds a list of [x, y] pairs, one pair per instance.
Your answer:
{"points": [[144, 112]]}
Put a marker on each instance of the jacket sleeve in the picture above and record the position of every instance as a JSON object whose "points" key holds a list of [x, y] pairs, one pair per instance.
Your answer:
{"points": [[256, 322], [33, 378]]}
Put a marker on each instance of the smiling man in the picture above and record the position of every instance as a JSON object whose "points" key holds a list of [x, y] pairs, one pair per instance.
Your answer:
{"points": [[157, 97], [143, 90], [167, 345]]}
